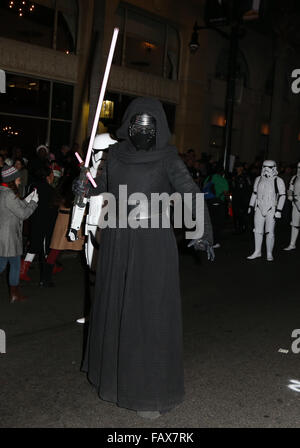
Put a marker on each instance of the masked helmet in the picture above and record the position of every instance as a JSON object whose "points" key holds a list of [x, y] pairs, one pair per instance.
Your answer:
{"points": [[142, 131], [101, 143], [269, 169]]}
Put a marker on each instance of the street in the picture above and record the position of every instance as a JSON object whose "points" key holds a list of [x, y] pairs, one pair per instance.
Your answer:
{"points": [[237, 315]]}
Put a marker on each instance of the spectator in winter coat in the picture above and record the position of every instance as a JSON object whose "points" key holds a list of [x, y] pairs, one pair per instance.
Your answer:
{"points": [[60, 240], [41, 222], [13, 212]]}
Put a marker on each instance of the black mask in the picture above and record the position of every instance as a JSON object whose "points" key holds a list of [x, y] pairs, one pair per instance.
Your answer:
{"points": [[142, 131]]}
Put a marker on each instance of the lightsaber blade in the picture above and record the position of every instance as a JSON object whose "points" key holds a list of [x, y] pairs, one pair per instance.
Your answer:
{"points": [[101, 96], [78, 157]]}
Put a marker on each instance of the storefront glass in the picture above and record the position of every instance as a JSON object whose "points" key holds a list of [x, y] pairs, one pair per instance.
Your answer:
{"points": [[26, 96], [26, 133], [35, 111], [62, 102]]}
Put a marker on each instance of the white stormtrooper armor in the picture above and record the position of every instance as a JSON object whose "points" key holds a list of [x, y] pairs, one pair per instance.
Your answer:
{"points": [[267, 199], [294, 196], [100, 146]]}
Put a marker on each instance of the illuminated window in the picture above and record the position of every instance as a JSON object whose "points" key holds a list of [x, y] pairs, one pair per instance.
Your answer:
{"points": [[51, 24], [146, 43], [35, 111], [107, 110]]}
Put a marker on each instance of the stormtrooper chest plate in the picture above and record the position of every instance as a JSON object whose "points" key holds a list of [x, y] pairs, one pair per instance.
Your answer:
{"points": [[95, 207], [297, 188], [266, 195]]}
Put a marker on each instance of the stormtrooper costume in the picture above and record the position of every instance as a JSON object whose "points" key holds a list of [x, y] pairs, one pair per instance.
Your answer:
{"points": [[267, 200], [294, 196], [92, 231]]}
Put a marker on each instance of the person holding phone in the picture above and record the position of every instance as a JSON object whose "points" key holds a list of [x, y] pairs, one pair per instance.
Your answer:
{"points": [[13, 212]]}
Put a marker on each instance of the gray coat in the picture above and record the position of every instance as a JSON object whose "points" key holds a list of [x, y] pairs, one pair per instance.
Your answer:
{"points": [[13, 211]]}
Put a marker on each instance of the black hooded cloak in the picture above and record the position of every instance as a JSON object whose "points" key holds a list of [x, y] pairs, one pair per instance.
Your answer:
{"points": [[134, 349]]}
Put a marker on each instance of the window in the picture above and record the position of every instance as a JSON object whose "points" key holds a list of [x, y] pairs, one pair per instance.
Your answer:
{"points": [[26, 133], [172, 53], [26, 96], [35, 111], [144, 48], [33, 27], [66, 26], [146, 44], [48, 23], [62, 102], [60, 134]]}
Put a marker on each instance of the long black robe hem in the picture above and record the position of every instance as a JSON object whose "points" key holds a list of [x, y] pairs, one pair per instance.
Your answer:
{"points": [[134, 405]]}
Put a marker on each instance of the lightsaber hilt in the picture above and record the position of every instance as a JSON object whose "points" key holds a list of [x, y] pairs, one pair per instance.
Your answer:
{"points": [[88, 174], [79, 198]]}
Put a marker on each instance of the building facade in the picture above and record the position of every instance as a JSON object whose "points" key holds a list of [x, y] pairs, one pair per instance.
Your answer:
{"points": [[54, 55]]}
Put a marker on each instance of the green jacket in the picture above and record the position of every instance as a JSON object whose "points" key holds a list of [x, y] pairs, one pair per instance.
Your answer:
{"points": [[220, 184]]}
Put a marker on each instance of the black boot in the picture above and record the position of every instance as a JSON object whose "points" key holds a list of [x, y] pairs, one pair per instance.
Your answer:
{"points": [[46, 275]]}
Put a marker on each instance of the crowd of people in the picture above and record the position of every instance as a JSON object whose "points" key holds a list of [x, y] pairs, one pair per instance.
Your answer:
{"points": [[46, 218], [37, 192], [228, 195], [134, 351]]}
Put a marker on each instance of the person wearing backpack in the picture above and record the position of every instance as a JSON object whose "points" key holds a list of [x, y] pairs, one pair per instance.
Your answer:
{"points": [[215, 189]]}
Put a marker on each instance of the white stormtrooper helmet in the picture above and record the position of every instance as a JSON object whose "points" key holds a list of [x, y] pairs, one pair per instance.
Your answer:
{"points": [[43, 147], [269, 169], [101, 142], [298, 169]]}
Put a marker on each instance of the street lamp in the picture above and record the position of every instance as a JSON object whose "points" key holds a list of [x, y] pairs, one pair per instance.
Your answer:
{"points": [[230, 94], [194, 44], [230, 13]]}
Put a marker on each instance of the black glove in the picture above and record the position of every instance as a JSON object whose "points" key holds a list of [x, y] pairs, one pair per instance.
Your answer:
{"points": [[205, 246], [81, 187]]}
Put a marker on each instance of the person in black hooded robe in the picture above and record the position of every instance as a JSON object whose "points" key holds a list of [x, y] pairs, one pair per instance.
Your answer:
{"points": [[134, 349]]}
